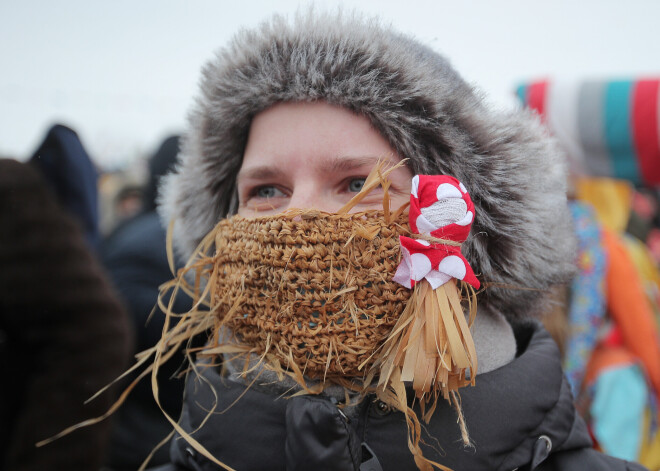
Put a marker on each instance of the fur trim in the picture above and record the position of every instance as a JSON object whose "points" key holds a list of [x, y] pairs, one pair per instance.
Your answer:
{"points": [[521, 242]]}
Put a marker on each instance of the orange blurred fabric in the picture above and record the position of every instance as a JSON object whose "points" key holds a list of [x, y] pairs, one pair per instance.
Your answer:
{"points": [[630, 308]]}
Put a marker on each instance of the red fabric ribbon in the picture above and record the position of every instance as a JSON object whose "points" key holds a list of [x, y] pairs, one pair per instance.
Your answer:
{"points": [[435, 198]]}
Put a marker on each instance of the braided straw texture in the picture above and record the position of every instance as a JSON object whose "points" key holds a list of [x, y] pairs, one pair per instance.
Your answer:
{"points": [[314, 288]]}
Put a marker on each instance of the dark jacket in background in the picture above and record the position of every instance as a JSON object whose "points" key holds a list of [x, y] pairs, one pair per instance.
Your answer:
{"points": [[160, 164], [136, 260], [69, 171], [135, 257], [63, 334]]}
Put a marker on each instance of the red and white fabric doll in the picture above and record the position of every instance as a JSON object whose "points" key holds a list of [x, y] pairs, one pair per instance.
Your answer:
{"points": [[441, 211]]}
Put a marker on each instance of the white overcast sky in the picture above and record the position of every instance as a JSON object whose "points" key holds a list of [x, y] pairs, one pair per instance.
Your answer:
{"points": [[123, 72]]}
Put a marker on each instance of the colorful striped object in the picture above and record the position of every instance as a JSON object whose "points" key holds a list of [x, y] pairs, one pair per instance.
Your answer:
{"points": [[609, 128]]}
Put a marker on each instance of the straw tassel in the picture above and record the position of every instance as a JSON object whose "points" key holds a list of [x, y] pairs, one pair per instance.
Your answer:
{"points": [[431, 345]]}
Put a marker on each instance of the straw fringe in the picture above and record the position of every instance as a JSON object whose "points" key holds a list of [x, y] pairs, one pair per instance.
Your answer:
{"points": [[431, 347]]}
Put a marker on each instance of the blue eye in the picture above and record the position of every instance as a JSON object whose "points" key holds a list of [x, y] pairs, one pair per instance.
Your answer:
{"points": [[267, 192], [356, 184]]}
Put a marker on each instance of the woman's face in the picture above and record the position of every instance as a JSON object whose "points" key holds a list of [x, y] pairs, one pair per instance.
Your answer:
{"points": [[313, 156]]}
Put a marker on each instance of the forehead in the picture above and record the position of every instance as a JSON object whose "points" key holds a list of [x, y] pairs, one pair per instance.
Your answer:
{"points": [[316, 134]]}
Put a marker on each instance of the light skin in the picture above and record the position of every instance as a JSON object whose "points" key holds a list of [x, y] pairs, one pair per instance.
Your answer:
{"points": [[314, 156]]}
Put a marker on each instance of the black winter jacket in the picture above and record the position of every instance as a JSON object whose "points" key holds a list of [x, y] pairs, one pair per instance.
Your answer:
{"points": [[520, 416]]}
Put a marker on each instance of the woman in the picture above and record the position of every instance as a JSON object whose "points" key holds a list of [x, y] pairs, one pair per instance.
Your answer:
{"points": [[295, 116]]}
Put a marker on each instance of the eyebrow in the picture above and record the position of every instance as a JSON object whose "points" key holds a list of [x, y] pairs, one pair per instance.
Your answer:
{"points": [[261, 172], [348, 163], [330, 165]]}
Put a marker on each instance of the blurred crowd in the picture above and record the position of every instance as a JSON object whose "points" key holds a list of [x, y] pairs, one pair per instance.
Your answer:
{"points": [[83, 252], [606, 321], [82, 255]]}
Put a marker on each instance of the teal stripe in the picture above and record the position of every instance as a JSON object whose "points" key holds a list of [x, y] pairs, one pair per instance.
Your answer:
{"points": [[618, 130], [521, 93]]}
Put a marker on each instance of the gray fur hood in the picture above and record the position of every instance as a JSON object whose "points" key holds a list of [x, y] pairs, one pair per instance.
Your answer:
{"points": [[522, 242]]}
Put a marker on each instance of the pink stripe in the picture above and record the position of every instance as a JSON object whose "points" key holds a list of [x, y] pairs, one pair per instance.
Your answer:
{"points": [[646, 130], [536, 96]]}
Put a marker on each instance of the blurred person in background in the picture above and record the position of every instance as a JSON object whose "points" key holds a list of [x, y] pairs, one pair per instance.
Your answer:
{"points": [[63, 334], [121, 198], [136, 259], [128, 203], [72, 177]]}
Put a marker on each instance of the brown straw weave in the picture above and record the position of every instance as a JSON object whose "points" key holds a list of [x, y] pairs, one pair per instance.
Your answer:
{"points": [[312, 286]]}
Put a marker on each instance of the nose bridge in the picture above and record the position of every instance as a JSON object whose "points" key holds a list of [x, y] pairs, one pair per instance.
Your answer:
{"points": [[310, 195]]}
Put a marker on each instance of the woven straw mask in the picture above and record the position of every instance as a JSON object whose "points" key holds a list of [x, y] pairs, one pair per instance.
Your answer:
{"points": [[309, 287]]}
